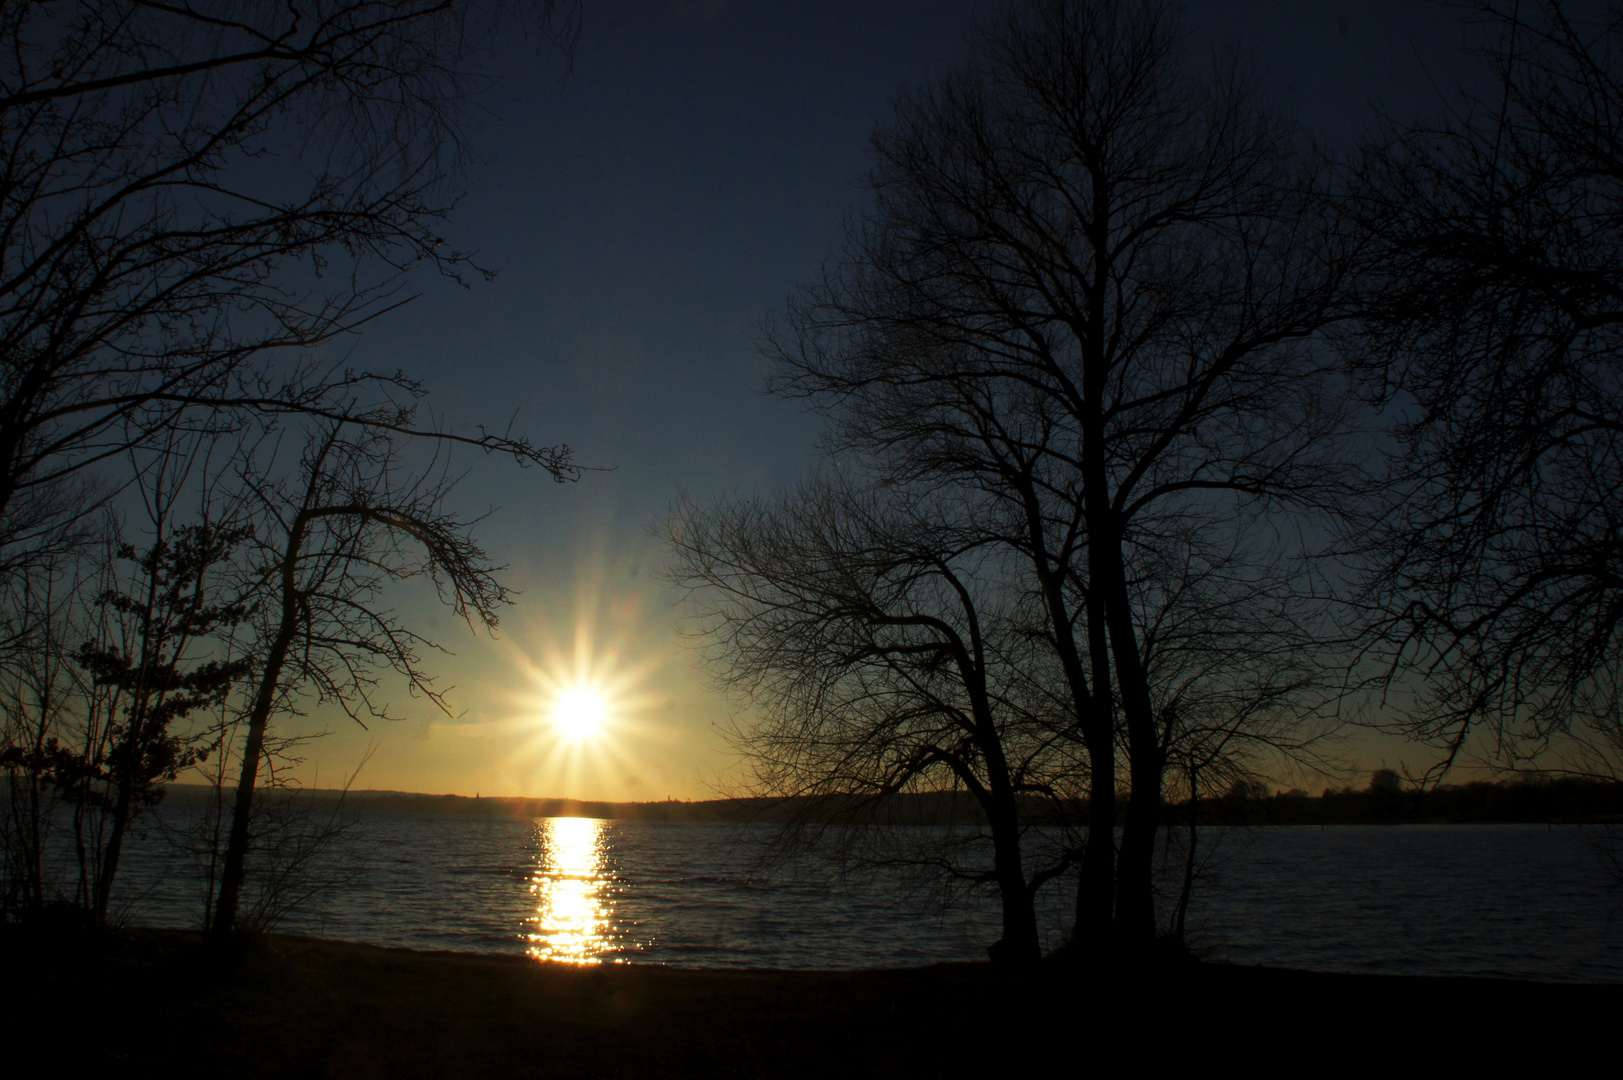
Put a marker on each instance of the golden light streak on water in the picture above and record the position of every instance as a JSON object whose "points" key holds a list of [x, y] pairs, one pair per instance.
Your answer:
{"points": [[571, 922]]}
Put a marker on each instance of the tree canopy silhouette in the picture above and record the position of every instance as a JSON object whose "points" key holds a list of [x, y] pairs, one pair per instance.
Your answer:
{"points": [[194, 195], [1494, 328]]}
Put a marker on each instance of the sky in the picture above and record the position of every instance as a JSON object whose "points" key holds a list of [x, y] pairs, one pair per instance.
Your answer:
{"points": [[645, 206]]}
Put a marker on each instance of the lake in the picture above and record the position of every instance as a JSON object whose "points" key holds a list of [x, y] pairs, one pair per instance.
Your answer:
{"points": [[1524, 901]]}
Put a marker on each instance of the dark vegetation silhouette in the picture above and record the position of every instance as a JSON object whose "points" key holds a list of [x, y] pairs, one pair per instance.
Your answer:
{"points": [[877, 637], [1388, 799], [150, 688], [349, 521], [195, 199], [1530, 800]]}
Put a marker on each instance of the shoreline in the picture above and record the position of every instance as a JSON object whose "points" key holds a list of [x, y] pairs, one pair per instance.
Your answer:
{"points": [[1527, 802], [297, 1006]]}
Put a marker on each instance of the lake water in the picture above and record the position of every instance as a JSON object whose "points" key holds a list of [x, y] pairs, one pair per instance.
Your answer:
{"points": [[1519, 901]]}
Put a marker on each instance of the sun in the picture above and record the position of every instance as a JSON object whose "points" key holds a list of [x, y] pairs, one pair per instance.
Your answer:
{"points": [[580, 713]]}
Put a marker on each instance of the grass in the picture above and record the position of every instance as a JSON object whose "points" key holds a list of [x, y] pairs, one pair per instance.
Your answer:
{"points": [[149, 1002]]}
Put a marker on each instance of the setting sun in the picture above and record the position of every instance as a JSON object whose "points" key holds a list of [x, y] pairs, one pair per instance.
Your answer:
{"points": [[580, 712]]}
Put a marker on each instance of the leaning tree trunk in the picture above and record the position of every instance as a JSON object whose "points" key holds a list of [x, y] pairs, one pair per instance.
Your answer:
{"points": [[112, 852], [127, 759], [234, 869], [236, 848], [1019, 946]]}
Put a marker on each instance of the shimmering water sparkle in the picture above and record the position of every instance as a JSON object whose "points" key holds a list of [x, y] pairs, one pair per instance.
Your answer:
{"points": [[572, 908]]}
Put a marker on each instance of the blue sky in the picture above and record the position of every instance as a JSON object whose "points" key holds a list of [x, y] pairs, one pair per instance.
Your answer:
{"points": [[644, 212]]}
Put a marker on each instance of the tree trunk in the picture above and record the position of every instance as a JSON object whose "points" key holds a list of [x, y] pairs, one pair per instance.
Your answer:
{"points": [[1095, 885], [236, 849], [127, 764], [234, 868], [1135, 864], [1096, 889], [110, 855], [1019, 946]]}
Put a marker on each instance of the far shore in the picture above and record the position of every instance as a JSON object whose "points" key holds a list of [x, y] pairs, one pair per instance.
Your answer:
{"points": [[278, 1005], [1555, 801]]}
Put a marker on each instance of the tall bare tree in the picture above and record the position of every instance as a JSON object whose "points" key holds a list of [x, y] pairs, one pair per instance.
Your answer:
{"points": [[1108, 266], [193, 198]]}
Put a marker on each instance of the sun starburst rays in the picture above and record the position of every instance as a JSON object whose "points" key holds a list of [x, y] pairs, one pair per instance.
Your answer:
{"points": [[582, 705]]}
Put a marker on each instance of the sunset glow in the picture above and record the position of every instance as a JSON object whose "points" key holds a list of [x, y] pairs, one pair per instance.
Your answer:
{"points": [[587, 705]]}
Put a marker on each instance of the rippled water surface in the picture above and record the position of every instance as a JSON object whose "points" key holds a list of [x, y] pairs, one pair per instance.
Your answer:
{"points": [[1525, 901], [1522, 901]]}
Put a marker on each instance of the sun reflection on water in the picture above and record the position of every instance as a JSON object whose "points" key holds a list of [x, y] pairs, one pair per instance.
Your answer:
{"points": [[570, 885]]}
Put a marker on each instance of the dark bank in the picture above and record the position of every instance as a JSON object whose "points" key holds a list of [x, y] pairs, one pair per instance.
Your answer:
{"points": [[289, 1006]]}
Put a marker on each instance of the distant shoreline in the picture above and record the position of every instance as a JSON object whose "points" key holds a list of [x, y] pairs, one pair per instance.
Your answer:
{"points": [[1536, 802]]}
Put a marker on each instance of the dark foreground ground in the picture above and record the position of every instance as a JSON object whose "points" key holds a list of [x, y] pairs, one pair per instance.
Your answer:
{"points": [[156, 1003]]}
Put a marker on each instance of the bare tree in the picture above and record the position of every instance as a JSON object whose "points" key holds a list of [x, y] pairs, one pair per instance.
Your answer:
{"points": [[40, 688], [880, 648], [187, 190], [355, 519], [1109, 266], [1494, 302]]}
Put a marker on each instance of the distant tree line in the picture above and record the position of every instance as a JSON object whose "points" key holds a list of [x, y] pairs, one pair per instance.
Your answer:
{"points": [[1386, 800], [1553, 800], [200, 511], [1160, 443]]}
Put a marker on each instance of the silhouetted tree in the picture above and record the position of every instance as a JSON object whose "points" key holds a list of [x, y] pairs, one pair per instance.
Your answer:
{"points": [[1090, 263], [171, 609], [878, 643], [1384, 781], [355, 519], [188, 190], [1494, 299], [40, 688]]}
